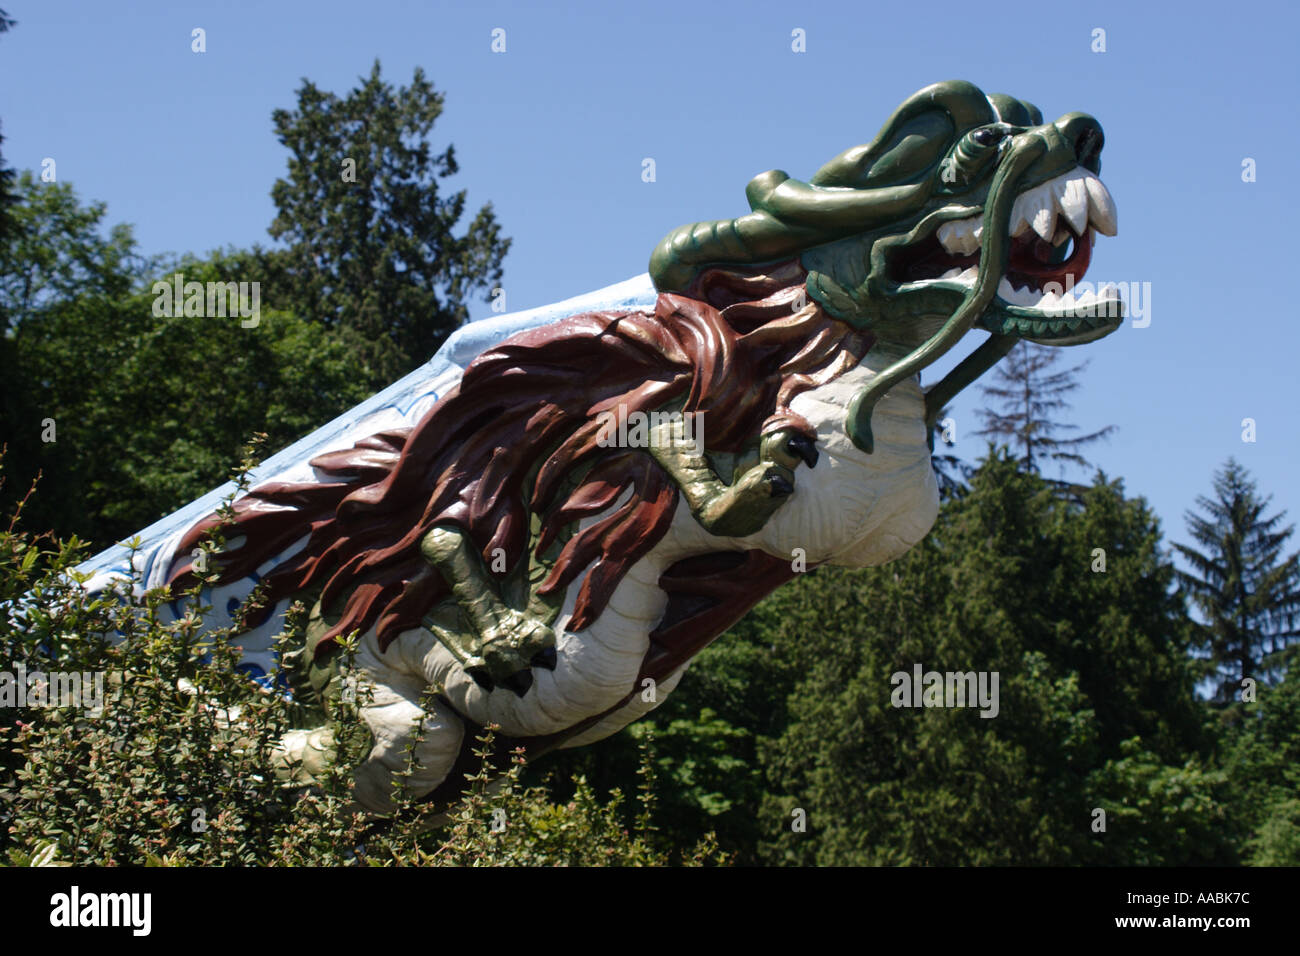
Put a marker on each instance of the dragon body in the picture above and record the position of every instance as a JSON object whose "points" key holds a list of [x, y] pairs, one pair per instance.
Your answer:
{"points": [[547, 544]]}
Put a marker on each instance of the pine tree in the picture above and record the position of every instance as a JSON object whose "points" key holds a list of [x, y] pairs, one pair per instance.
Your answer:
{"points": [[1247, 592], [1031, 394]]}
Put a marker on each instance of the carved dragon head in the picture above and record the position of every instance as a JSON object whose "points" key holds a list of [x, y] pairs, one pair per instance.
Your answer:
{"points": [[966, 210]]}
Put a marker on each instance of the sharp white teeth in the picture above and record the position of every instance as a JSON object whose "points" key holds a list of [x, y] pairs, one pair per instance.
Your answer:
{"points": [[1038, 208], [1045, 223], [1021, 214], [1026, 296], [962, 237], [1072, 199], [1102, 207], [1077, 196], [967, 277], [1055, 305]]}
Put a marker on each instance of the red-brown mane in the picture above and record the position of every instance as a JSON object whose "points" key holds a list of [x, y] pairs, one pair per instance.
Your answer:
{"points": [[511, 439]]}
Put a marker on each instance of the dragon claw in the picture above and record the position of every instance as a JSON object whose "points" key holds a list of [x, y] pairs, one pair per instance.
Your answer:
{"points": [[803, 447], [778, 485], [788, 447], [507, 645]]}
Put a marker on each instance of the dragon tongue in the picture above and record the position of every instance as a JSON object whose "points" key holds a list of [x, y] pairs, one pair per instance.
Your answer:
{"points": [[1030, 262]]}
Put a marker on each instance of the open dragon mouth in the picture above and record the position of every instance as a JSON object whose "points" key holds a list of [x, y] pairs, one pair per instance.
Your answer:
{"points": [[1053, 227]]}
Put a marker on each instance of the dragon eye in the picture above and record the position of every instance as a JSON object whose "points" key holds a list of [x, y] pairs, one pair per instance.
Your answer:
{"points": [[970, 157]]}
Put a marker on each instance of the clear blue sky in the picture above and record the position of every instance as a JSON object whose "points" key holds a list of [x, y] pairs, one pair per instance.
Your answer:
{"points": [[554, 131]]}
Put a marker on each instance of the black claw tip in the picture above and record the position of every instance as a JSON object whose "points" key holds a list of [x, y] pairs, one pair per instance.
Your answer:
{"points": [[779, 485], [546, 657], [804, 447], [519, 682]]}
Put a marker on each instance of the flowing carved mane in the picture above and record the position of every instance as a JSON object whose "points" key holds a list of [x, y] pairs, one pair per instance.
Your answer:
{"points": [[518, 437]]}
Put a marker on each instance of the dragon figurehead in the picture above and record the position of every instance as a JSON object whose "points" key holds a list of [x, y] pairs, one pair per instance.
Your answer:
{"points": [[966, 210], [500, 551]]}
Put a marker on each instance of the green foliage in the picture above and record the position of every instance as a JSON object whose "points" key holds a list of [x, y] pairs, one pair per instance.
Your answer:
{"points": [[1087, 660], [1162, 814], [1262, 759], [55, 252], [518, 825], [149, 410], [373, 246], [8, 199], [1278, 840]]}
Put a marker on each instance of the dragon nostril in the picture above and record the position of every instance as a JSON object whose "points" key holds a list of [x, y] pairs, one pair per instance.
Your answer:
{"points": [[1089, 144]]}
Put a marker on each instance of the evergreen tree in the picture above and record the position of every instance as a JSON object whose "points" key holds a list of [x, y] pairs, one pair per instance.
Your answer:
{"points": [[1031, 393], [372, 243], [1246, 589]]}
